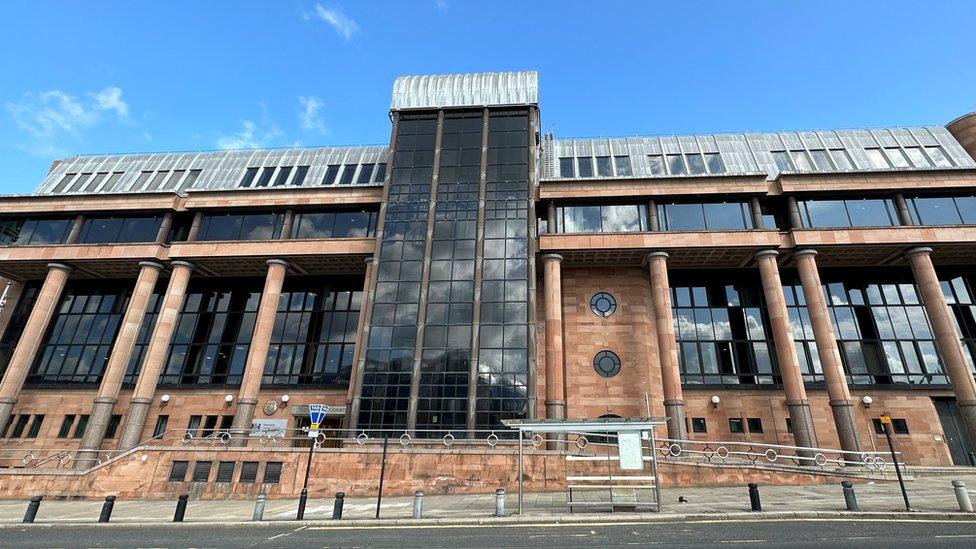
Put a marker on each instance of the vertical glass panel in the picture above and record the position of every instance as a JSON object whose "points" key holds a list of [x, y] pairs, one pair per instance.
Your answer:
{"points": [[841, 160], [877, 159], [676, 165], [936, 211], [696, 165], [567, 167], [684, 217], [869, 213], [725, 216], [585, 164], [603, 168], [622, 165], [656, 164]]}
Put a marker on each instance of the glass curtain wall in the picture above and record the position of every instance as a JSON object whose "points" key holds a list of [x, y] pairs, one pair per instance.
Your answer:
{"points": [[882, 331], [15, 326], [444, 370], [722, 329], [503, 354], [314, 335], [393, 331]]}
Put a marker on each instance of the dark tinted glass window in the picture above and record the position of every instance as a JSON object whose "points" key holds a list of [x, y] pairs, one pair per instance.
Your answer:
{"points": [[603, 168], [249, 176], [177, 472], [698, 425], [585, 164], [732, 216], [256, 226], [66, 425], [606, 363], [265, 178], [622, 165], [331, 173], [848, 213], [161, 422], [259, 227], [81, 427], [735, 425], [113, 426], [35, 426], [201, 471], [99, 230], [755, 425], [283, 174], [43, 231], [380, 174], [249, 472], [682, 217], [300, 173], [335, 225], [348, 171], [225, 471], [272, 472], [696, 166], [365, 174]]}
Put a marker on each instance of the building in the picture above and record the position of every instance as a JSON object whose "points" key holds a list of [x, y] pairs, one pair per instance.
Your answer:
{"points": [[781, 287]]}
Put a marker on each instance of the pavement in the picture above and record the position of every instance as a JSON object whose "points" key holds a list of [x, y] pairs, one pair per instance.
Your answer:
{"points": [[931, 497], [933, 534]]}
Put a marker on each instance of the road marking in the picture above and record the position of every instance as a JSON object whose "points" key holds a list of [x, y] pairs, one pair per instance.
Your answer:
{"points": [[743, 541], [956, 536], [286, 534]]}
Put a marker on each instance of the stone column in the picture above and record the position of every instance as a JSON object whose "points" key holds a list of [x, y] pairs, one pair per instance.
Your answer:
{"points": [[756, 210], [946, 337], [904, 217], [31, 338], [257, 354], [75, 234], [118, 362], [839, 394], [796, 222], [551, 218], [156, 354], [555, 384], [789, 367], [287, 224], [194, 231], [653, 223], [356, 376], [667, 346], [164, 227]]}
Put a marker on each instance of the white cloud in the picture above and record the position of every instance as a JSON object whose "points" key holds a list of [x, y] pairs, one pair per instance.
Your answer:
{"points": [[249, 137], [441, 4], [110, 99], [343, 25], [309, 116], [50, 116]]}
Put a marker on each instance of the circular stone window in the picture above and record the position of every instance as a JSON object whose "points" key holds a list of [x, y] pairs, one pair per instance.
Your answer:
{"points": [[603, 304], [606, 363]]}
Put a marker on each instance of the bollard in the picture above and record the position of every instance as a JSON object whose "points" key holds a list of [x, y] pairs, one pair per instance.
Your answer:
{"points": [[849, 498], [337, 508], [32, 507], [107, 507], [180, 508], [754, 497], [500, 502], [259, 507], [962, 496], [302, 500], [418, 504]]}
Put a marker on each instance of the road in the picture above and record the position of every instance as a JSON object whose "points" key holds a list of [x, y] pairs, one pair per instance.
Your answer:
{"points": [[764, 534]]}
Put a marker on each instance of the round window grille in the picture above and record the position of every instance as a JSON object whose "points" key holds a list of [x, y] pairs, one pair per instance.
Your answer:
{"points": [[603, 304], [606, 363]]}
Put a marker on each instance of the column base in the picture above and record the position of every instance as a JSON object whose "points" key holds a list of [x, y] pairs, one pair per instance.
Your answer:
{"points": [[353, 423], [241, 427], [556, 409], [850, 442], [91, 443], [675, 411], [803, 433], [968, 412], [6, 407], [134, 424]]}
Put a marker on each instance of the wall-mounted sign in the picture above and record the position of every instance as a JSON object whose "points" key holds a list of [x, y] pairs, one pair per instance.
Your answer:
{"points": [[268, 427], [629, 450]]}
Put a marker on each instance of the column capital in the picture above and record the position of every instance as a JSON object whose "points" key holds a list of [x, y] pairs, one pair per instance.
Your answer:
{"points": [[61, 267], [921, 250], [552, 257], [767, 253], [805, 252], [185, 264], [281, 262], [6, 400], [658, 253], [369, 260], [152, 265]]}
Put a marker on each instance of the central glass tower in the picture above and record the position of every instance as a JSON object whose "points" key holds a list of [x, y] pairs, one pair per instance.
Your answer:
{"points": [[448, 330]]}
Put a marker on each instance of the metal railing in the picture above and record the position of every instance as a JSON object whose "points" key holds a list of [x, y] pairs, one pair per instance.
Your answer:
{"points": [[48, 458], [732, 452]]}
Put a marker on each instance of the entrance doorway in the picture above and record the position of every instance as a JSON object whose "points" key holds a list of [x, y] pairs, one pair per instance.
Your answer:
{"points": [[954, 429]]}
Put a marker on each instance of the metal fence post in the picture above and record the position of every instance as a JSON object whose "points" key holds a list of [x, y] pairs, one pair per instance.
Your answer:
{"points": [[32, 507], [418, 504], [754, 497], [180, 508], [337, 507], [259, 507], [850, 499], [962, 496], [107, 507], [500, 502]]}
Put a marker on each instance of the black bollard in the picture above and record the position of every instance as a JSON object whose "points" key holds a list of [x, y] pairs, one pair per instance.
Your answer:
{"points": [[754, 497], [850, 500], [32, 507], [302, 499], [180, 508], [337, 508], [107, 509]]}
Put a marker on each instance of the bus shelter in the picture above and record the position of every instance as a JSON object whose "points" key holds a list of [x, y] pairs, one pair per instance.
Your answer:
{"points": [[624, 444]]}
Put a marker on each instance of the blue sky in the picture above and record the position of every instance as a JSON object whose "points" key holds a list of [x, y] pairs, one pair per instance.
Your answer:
{"points": [[99, 76]]}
